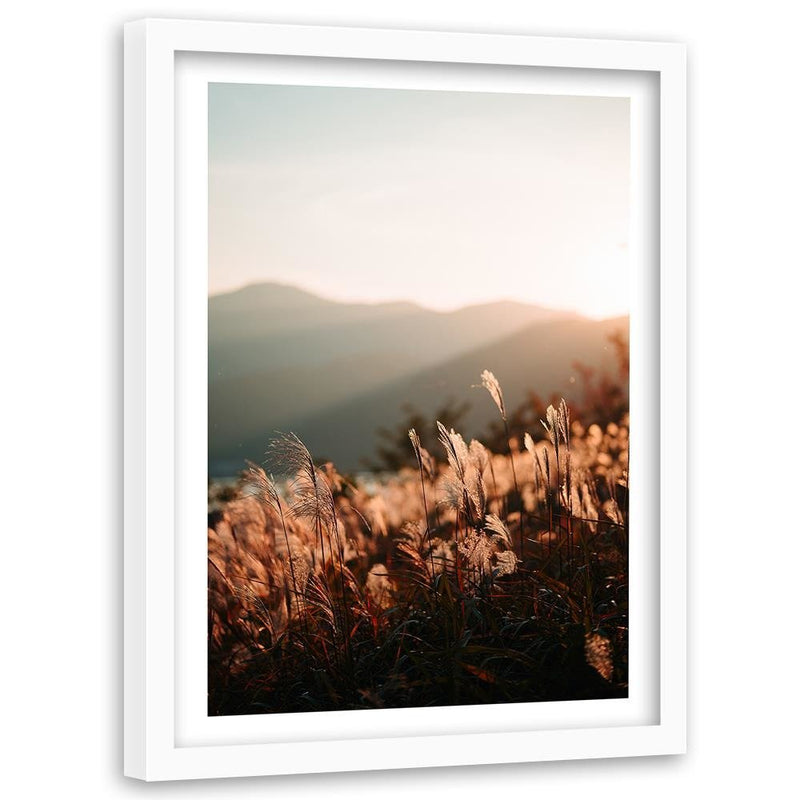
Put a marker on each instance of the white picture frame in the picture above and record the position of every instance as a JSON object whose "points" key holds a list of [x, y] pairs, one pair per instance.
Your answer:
{"points": [[158, 365]]}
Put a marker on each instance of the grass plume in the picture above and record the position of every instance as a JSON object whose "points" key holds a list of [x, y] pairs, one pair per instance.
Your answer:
{"points": [[327, 593]]}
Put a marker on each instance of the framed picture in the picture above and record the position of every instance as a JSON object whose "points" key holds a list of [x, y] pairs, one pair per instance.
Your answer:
{"points": [[404, 399]]}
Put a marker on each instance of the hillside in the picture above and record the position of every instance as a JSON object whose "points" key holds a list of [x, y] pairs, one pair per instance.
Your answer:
{"points": [[337, 404], [267, 327], [539, 358]]}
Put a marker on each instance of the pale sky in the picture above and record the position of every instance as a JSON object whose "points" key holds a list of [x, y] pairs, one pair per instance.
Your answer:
{"points": [[443, 198]]}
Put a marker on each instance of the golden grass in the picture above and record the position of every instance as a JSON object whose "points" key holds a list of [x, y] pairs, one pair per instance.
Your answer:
{"points": [[480, 577]]}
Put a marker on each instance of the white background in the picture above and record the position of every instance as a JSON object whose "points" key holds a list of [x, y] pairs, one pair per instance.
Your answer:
{"points": [[60, 332]]}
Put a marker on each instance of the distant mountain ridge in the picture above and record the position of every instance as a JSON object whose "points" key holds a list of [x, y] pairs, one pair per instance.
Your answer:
{"points": [[266, 326], [281, 358], [262, 308]]}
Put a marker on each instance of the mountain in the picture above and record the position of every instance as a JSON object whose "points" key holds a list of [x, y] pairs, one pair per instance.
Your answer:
{"points": [[266, 309], [540, 358], [283, 359], [266, 327]]}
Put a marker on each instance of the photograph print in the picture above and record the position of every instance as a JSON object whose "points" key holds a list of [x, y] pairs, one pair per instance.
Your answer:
{"points": [[418, 421]]}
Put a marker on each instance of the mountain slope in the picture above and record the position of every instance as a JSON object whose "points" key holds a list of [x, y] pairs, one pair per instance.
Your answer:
{"points": [[263, 309], [539, 357], [268, 327]]}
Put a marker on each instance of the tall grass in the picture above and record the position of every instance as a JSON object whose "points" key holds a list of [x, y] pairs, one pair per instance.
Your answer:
{"points": [[419, 591]]}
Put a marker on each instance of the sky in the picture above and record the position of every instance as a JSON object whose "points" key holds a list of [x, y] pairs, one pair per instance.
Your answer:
{"points": [[445, 199]]}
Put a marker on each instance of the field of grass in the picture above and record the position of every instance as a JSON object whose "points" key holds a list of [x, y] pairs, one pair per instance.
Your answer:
{"points": [[475, 577]]}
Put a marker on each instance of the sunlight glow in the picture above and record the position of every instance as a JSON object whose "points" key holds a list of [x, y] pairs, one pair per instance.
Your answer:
{"points": [[441, 198]]}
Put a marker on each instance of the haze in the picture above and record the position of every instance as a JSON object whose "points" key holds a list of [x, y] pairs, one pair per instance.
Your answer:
{"points": [[445, 199]]}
